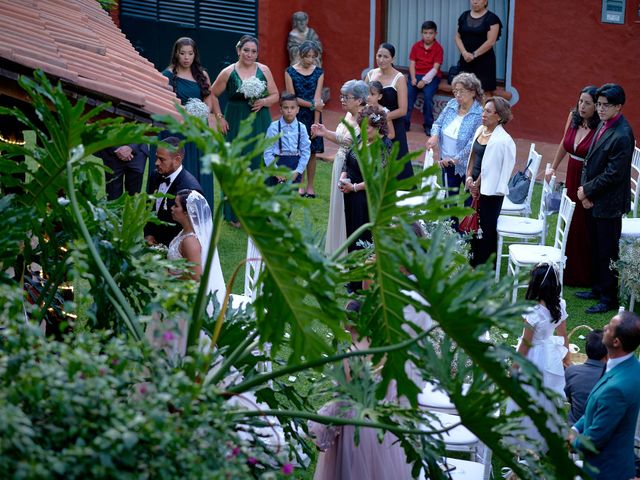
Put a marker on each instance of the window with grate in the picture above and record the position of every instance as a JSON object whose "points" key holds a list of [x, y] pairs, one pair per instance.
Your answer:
{"points": [[140, 8], [237, 16], [177, 11]]}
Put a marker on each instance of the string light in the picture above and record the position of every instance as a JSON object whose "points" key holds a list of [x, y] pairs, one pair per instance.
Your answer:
{"points": [[11, 142]]}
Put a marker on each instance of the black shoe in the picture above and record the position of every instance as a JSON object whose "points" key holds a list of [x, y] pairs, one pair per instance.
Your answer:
{"points": [[587, 295], [600, 308]]}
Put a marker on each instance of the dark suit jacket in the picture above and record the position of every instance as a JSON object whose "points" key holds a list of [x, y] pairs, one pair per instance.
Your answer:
{"points": [[609, 421], [131, 171], [579, 381], [165, 233], [607, 171]]}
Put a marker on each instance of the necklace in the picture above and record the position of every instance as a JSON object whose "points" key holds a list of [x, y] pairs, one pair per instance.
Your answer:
{"points": [[485, 134]]}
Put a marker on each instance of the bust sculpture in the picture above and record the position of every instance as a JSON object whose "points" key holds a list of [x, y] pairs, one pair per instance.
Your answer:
{"points": [[300, 32]]}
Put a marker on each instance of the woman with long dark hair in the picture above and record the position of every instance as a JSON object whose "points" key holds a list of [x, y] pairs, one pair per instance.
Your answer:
{"points": [[394, 97], [548, 352], [189, 79], [578, 135]]}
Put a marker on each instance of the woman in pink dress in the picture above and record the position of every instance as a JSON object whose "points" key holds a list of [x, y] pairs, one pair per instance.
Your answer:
{"points": [[578, 135]]}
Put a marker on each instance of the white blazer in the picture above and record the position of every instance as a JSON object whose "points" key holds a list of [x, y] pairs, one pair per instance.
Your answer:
{"points": [[497, 163]]}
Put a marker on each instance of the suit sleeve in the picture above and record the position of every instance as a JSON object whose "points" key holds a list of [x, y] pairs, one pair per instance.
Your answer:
{"points": [[610, 405], [305, 150], [615, 172]]}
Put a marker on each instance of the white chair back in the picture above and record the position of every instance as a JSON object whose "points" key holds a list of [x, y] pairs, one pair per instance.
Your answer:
{"points": [[547, 188], [635, 169], [533, 161], [253, 267], [564, 222]]}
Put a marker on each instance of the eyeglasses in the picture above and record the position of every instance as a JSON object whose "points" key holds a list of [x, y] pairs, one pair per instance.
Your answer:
{"points": [[459, 91], [605, 106], [346, 97]]}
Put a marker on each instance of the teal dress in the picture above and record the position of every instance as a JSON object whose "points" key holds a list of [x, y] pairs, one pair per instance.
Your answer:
{"points": [[184, 90], [237, 109]]}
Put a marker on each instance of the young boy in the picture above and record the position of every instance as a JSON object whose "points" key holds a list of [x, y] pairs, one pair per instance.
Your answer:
{"points": [[293, 148], [424, 69]]}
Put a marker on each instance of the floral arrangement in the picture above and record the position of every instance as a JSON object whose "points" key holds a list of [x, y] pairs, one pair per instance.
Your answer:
{"points": [[197, 108], [628, 266], [253, 88]]}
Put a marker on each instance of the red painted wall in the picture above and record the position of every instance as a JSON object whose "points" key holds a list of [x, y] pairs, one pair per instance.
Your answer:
{"points": [[343, 28], [560, 47]]}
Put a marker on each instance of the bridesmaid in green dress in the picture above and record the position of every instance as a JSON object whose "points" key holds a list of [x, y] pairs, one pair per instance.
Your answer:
{"points": [[238, 106], [189, 79]]}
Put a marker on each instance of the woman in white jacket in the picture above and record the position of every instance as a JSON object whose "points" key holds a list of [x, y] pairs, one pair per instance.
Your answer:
{"points": [[491, 161]]}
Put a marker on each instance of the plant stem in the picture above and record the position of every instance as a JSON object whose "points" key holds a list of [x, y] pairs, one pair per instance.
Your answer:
{"points": [[125, 310], [343, 421], [352, 238], [260, 379], [235, 355]]}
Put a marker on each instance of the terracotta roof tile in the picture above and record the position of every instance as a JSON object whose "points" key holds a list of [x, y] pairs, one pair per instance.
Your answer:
{"points": [[77, 41]]}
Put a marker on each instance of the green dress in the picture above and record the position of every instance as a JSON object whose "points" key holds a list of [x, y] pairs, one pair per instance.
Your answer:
{"points": [[238, 109], [185, 90]]}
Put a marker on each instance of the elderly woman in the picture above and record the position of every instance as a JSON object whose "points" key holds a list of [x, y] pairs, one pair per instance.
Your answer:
{"points": [[352, 183], [492, 158], [455, 127], [353, 97], [478, 31]]}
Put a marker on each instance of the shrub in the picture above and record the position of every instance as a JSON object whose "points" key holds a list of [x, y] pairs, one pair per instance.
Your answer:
{"points": [[104, 407]]}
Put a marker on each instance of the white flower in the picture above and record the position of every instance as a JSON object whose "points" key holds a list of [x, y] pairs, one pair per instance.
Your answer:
{"points": [[197, 108], [253, 88]]}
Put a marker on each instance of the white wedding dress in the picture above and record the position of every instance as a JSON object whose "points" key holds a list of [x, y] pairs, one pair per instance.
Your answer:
{"points": [[171, 334], [336, 226]]}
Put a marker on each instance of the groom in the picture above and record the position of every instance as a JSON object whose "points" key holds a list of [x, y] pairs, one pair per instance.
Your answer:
{"points": [[169, 178], [610, 418]]}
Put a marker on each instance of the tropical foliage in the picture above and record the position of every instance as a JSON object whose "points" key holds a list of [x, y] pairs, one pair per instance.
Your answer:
{"points": [[297, 321]]}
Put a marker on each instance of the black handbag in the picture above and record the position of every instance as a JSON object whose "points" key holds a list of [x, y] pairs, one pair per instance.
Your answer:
{"points": [[519, 185]]}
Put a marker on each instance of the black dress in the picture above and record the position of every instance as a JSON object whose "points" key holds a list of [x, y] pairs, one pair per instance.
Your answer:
{"points": [[356, 209], [390, 100], [473, 33], [304, 87]]}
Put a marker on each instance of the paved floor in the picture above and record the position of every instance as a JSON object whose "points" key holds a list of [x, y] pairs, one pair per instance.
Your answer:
{"points": [[416, 139]]}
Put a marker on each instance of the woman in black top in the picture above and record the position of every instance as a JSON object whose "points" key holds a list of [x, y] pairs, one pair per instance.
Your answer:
{"points": [[478, 31], [351, 182]]}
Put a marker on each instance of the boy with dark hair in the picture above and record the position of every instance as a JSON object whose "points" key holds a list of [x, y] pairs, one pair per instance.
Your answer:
{"points": [[580, 379], [425, 59], [293, 148]]}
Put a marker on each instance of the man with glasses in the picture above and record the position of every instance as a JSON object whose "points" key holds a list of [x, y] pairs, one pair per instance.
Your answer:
{"points": [[605, 193]]}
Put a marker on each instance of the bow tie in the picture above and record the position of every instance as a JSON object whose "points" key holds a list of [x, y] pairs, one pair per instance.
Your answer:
{"points": [[165, 180]]}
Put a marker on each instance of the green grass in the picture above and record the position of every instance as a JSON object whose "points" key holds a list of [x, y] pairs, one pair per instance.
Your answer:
{"points": [[312, 216], [575, 307]]}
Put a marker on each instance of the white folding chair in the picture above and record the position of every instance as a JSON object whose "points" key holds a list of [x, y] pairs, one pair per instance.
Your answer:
{"points": [[631, 226], [527, 255], [524, 228], [434, 399], [524, 209], [253, 267]]}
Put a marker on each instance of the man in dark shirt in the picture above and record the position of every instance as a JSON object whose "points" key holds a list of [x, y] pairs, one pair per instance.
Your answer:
{"points": [[580, 379], [605, 193]]}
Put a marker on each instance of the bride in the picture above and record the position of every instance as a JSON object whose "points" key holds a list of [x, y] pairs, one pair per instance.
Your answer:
{"points": [[192, 211]]}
